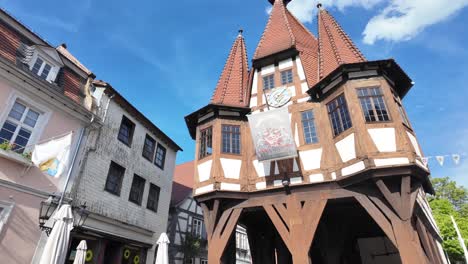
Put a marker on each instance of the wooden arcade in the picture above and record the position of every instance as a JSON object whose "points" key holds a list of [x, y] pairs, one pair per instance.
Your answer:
{"points": [[355, 190]]}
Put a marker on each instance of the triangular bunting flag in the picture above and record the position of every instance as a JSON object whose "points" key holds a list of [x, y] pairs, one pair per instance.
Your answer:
{"points": [[440, 159], [425, 160], [456, 158]]}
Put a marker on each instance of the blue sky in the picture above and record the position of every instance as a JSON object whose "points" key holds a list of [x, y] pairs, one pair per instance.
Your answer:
{"points": [[166, 56]]}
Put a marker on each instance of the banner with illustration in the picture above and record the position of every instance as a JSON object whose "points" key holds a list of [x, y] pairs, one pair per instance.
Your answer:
{"points": [[52, 157], [272, 135]]}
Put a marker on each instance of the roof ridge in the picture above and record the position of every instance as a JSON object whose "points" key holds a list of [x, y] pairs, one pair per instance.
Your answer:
{"points": [[346, 38], [300, 24]]}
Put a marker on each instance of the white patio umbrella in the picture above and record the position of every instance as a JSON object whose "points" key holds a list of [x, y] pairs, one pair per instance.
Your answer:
{"points": [[55, 249], [162, 255], [80, 256]]}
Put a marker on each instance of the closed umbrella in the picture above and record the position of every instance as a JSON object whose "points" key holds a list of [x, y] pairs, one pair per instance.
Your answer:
{"points": [[162, 255], [55, 249], [80, 256]]}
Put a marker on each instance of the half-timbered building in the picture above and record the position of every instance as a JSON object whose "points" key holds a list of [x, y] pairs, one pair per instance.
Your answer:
{"points": [[355, 191]]}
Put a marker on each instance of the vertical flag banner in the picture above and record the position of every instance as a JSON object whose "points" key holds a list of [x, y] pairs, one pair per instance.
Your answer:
{"points": [[456, 158], [440, 159], [52, 156], [272, 135]]}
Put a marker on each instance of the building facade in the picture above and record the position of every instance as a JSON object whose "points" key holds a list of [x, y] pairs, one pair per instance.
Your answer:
{"points": [[353, 190], [186, 228], [43, 95], [125, 180]]}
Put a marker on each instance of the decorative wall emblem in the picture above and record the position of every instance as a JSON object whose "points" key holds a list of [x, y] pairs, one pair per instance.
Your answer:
{"points": [[279, 97]]}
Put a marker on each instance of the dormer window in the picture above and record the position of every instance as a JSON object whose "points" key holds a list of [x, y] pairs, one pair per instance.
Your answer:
{"points": [[41, 68], [44, 62]]}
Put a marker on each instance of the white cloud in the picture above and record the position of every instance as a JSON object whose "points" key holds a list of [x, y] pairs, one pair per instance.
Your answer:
{"points": [[398, 20], [306, 10], [402, 19]]}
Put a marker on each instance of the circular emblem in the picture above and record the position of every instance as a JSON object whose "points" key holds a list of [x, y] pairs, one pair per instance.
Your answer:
{"points": [[126, 253], [89, 255], [136, 259], [279, 97]]}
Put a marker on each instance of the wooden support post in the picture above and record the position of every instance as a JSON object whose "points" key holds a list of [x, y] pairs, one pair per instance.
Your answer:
{"points": [[219, 231], [296, 223], [406, 239]]}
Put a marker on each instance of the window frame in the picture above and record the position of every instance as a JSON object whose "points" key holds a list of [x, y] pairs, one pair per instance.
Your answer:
{"points": [[142, 182], [153, 187], [372, 99], [44, 63], [231, 133], [337, 109], [20, 124], [118, 166], [271, 81], [131, 132], [313, 128], [195, 232], [203, 261], [160, 147], [203, 143], [287, 76], [151, 155]]}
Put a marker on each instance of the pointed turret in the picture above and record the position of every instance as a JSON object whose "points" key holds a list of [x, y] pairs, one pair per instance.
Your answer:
{"points": [[232, 84], [277, 35], [335, 46]]}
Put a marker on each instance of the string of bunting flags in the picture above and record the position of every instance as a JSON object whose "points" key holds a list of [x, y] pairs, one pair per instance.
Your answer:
{"points": [[456, 158]]}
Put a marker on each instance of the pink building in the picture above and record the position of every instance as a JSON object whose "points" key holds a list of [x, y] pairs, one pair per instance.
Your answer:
{"points": [[43, 94]]}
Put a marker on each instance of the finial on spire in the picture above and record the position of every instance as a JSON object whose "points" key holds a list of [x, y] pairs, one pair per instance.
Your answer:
{"points": [[319, 5], [240, 32]]}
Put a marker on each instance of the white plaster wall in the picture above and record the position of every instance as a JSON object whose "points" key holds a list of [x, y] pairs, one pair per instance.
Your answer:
{"points": [[296, 135], [391, 161], [204, 170], [204, 189], [356, 167], [311, 158], [253, 101], [304, 87], [230, 186], [346, 148], [268, 69], [285, 64], [300, 69], [262, 168], [384, 138], [260, 185], [316, 177], [231, 167], [295, 180], [415, 144], [254, 83]]}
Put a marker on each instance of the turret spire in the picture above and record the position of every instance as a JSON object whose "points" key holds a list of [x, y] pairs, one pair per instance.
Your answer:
{"points": [[335, 46], [232, 84]]}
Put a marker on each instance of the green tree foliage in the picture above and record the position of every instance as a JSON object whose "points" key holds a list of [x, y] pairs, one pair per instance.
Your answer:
{"points": [[450, 199]]}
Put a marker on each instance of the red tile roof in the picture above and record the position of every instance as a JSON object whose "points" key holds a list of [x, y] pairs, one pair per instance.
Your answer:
{"points": [[335, 46], [183, 182], [64, 51], [319, 56], [232, 84], [278, 35]]}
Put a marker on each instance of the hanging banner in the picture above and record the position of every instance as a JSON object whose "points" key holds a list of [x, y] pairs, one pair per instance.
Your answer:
{"points": [[52, 156], [272, 135], [456, 158], [440, 159]]}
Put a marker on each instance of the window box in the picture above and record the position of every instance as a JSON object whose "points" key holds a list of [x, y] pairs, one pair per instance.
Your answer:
{"points": [[15, 157]]}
